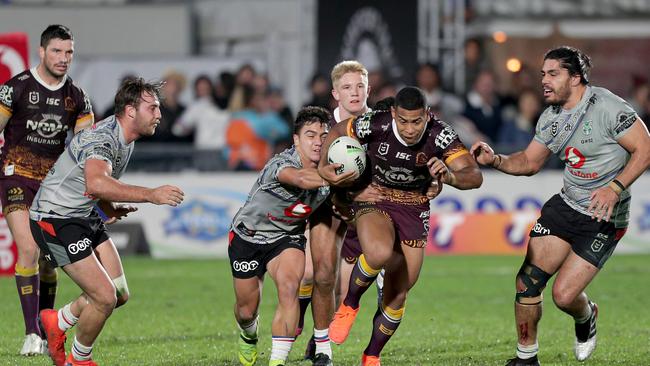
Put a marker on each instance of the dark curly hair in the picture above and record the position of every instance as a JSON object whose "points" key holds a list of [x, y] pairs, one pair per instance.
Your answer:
{"points": [[311, 114]]}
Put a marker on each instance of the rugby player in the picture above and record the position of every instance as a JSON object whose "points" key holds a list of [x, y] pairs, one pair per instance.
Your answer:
{"points": [[605, 147], [38, 108], [70, 232], [408, 149]]}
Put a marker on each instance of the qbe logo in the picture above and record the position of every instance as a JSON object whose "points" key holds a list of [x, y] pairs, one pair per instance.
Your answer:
{"points": [[80, 246], [245, 266]]}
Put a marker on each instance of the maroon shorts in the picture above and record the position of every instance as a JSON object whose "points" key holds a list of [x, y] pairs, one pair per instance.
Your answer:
{"points": [[17, 193], [351, 249], [411, 220]]}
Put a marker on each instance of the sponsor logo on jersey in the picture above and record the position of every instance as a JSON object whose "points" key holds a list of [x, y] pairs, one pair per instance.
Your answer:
{"points": [[580, 174], [587, 141], [80, 246], [363, 125], [33, 97], [445, 137], [574, 157], [402, 155], [5, 94], [24, 77], [554, 127], [15, 194], [243, 266], [298, 210], [272, 217], [397, 175], [48, 127], [383, 148], [624, 120], [587, 128]]}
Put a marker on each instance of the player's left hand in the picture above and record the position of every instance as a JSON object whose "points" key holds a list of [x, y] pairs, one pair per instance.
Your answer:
{"points": [[328, 173], [372, 193], [439, 170], [602, 203], [343, 209], [434, 188], [117, 212]]}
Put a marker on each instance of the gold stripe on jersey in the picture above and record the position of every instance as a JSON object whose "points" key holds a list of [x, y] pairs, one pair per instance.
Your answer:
{"points": [[84, 119], [350, 128], [4, 110], [455, 155]]}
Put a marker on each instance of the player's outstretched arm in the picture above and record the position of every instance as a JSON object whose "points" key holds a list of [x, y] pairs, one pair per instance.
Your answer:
{"points": [[100, 184], [115, 211], [305, 178], [526, 162]]}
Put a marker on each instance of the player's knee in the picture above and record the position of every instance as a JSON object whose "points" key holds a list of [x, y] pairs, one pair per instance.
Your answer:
{"points": [[531, 281], [378, 257], [562, 298], [325, 277], [288, 290], [28, 254], [121, 290], [105, 302]]}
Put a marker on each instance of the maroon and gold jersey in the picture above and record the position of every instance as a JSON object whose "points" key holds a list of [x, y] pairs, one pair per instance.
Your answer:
{"points": [[39, 119], [393, 163]]}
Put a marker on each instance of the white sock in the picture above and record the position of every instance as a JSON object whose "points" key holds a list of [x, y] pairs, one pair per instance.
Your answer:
{"points": [[280, 347], [322, 338], [66, 319], [81, 352], [249, 330], [585, 318], [526, 352]]}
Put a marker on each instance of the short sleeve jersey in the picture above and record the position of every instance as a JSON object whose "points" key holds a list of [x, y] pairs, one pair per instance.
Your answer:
{"points": [[394, 163], [273, 209], [585, 138], [63, 191], [40, 117]]}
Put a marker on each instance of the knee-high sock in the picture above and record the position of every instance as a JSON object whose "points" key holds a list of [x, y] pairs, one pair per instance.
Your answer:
{"points": [[48, 291], [385, 324], [361, 278], [28, 287], [304, 298]]}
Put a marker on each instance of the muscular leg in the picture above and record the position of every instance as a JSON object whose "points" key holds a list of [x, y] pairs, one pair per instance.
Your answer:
{"points": [[99, 291], [110, 260], [306, 286], [402, 272], [345, 271], [286, 270], [546, 254], [568, 290], [27, 279], [248, 293]]}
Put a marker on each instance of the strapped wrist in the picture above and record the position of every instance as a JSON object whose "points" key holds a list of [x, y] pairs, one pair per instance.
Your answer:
{"points": [[495, 163]]}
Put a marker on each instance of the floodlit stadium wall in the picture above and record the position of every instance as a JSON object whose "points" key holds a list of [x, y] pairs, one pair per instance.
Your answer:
{"points": [[494, 219]]}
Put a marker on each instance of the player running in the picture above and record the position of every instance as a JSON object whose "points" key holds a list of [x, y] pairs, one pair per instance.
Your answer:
{"points": [[605, 147], [408, 148], [70, 232]]}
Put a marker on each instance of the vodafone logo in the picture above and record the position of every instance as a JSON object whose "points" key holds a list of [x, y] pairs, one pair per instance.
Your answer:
{"points": [[11, 63], [574, 157], [297, 210]]}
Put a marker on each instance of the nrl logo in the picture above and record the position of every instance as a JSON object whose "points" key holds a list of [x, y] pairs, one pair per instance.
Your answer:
{"points": [[586, 128], [383, 148], [33, 97]]}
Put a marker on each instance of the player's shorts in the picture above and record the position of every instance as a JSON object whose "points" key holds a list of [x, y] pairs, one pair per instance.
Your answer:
{"points": [[593, 241], [351, 248], [409, 212], [17, 193], [69, 240], [248, 260]]}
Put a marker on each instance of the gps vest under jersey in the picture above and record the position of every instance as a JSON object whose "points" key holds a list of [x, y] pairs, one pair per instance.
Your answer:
{"points": [[63, 191], [40, 117], [585, 139], [272, 209]]}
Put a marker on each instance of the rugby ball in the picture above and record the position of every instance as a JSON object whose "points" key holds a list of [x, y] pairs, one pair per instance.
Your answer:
{"points": [[349, 153]]}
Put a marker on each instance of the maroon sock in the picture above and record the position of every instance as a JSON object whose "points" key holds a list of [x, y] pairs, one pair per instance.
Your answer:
{"points": [[47, 295], [304, 304], [28, 288], [361, 278], [385, 324]]}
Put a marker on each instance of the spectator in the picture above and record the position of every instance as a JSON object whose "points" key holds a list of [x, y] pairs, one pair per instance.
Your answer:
{"points": [[640, 98], [245, 76], [483, 106], [110, 110], [427, 78], [516, 133], [253, 132], [320, 92], [170, 109], [223, 89], [278, 104]]}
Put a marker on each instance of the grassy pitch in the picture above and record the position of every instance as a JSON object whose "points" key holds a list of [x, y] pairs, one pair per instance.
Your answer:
{"points": [[459, 313]]}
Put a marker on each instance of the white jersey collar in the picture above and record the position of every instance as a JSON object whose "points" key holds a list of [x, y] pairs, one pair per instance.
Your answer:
{"points": [[400, 139], [45, 85]]}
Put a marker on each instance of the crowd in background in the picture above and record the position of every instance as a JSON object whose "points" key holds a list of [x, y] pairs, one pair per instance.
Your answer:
{"points": [[237, 121]]}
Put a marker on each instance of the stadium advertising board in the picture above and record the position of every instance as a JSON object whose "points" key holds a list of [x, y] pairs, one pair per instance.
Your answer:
{"points": [[495, 219], [13, 60]]}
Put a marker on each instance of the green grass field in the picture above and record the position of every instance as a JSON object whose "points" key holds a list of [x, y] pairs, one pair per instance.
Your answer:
{"points": [[460, 313]]}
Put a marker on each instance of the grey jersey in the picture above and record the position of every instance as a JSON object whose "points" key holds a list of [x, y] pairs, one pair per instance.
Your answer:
{"points": [[63, 191], [585, 138], [274, 210]]}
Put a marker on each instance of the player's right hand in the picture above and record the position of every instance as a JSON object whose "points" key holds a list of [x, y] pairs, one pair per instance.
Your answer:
{"points": [[328, 172], [167, 195], [482, 153]]}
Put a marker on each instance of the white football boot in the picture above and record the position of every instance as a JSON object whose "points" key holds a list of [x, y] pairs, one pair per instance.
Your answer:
{"points": [[583, 350], [33, 345]]}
